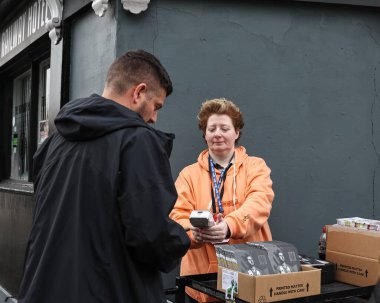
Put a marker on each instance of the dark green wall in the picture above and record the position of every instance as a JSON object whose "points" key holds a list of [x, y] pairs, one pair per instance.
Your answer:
{"points": [[92, 52], [306, 77]]}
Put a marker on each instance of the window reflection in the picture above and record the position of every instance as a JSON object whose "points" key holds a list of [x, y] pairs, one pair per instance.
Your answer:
{"points": [[20, 127], [43, 103]]}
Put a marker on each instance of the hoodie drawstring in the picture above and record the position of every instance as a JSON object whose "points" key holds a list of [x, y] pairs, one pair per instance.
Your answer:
{"points": [[234, 187]]}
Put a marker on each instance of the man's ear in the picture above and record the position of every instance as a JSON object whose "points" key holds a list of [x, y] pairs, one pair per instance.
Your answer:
{"points": [[139, 90]]}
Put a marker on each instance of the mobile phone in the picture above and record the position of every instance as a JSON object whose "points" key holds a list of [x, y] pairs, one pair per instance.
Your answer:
{"points": [[201, 218]]}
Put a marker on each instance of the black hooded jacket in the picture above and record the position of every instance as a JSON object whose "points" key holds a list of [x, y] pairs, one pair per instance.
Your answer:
{"points": [[103, 193]]}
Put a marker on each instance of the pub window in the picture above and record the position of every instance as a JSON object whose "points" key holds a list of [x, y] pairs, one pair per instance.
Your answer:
{"points": [[29, 118], [20, 127]]}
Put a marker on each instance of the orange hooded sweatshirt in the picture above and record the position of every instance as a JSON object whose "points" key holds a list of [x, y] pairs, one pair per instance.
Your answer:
{"points": [[247, 202]]}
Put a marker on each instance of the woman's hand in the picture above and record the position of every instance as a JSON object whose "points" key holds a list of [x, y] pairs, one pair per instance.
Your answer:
{"points": [[217, 233], [197, 235]]}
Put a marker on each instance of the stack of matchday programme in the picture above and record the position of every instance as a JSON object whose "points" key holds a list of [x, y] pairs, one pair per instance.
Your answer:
{"points": [[259, 258], [359, 223]]}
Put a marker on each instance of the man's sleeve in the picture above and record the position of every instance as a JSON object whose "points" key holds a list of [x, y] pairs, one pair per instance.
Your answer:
{"points": [[147, 197]]}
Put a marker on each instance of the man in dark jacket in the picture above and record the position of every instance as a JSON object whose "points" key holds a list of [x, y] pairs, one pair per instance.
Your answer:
{"points": [[103, 192]]}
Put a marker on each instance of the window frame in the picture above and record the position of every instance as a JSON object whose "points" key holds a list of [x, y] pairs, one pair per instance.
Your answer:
{"points": [[30, 59]]}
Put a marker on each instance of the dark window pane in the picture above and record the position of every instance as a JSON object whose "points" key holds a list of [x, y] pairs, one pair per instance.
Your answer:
{"points": [[20, 127]]}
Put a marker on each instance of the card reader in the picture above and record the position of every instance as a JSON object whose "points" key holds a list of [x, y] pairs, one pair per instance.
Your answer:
{"points": [[201, 218]]}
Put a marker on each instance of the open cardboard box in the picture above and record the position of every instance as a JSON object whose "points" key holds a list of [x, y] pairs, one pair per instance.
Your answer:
{"points": [[363, 243], [275, 287], [356, 254]]}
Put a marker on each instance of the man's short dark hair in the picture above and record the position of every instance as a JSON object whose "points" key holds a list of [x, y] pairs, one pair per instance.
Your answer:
{"points": [[135, 67]]}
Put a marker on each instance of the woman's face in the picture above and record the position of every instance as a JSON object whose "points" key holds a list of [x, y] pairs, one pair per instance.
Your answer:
{"points": [[220, 134]]}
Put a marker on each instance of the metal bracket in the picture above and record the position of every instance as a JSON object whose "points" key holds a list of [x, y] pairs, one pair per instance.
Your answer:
{"points": [[135, 6], [100, 7], [54, 25]]}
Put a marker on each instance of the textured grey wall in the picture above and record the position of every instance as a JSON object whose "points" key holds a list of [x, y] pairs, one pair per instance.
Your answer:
{"points": [[306, 77], [92, 51]]}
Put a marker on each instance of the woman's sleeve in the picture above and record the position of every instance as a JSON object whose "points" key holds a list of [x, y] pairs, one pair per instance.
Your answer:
{"points": [[255, 209]]}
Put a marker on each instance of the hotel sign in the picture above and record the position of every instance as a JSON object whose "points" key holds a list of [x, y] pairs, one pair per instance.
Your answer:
{"points": [[24, 30]]}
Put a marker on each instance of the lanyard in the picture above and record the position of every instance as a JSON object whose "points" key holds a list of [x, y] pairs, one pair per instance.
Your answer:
{"points": [[217, 184]]}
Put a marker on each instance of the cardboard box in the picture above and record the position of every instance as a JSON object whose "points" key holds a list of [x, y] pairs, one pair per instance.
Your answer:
{"points": [[356, 254], [364, 243], [353, 269], [272, 288]]}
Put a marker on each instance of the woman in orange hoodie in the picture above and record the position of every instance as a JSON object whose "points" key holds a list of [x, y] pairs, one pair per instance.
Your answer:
{"points": [[235, 187]]}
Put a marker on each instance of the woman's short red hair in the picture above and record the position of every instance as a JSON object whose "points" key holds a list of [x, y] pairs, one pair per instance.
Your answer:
{"points": [[220, 106]]}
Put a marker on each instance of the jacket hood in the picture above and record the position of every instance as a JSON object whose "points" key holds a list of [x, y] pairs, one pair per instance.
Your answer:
{"points": [[94, 116], [240, 155]]}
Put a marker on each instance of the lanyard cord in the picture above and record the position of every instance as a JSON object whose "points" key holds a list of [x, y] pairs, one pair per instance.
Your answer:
{"points": [[215, 191]]}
